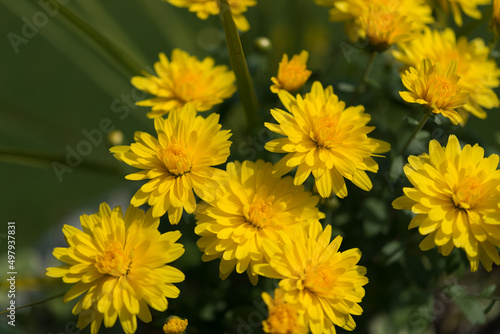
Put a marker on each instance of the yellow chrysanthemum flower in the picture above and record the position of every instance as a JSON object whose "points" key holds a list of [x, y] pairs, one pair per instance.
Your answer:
{"points": [[184, 79], [178, 162], [175, 325], [469, 7], [455, 198], [429, 85], [255, 205], [324, 138], [292, 74], [383, 22], [284, 318], [478, 74], [204, 8], [119, 263], [327, 283], [383, 26]]}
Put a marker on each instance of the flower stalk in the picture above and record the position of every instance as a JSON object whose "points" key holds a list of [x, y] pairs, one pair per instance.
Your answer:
{"points": [[417, 130], [238, 62], [38, 159], [114, 51], [362, 83], [37, 302]]}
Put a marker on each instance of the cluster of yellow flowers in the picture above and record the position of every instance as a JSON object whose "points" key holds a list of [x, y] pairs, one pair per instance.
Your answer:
{"points": [[456, 192], [258, 220], [265, 225], [468, 70]]}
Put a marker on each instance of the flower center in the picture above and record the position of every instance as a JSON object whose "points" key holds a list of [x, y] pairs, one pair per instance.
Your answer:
{"points": [[189, 85], [325, 131], [445, 87], [176, 158], [260, 211], [113, 261], [282, 319], [467, 194], [381, 21], [293, 76], [320, 279], [442, 89]]}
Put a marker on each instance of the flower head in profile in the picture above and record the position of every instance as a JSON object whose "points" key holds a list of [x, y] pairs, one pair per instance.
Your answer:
{"points": [[469, 7], [326, 139], [328, 284], [292, 74], [381, 22], [184, 79], [430, 86], [478, 74], [119, 264], [175, 325], [284, 318], [455, 196], [255, 205], [495, 18], [204, 8], [178, 162]]}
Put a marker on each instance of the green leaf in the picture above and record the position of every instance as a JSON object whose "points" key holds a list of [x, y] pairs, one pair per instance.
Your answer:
{"points": [[393, 251], [488, 290], [470, 306], [377, 208]]}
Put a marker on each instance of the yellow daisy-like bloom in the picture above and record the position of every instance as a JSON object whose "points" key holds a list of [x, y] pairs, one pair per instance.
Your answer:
{"points": [[204, 8], [119, 263], [178, 162], [469, 7], [327, 283], [325, 138], [435, 88], [383, 22], [255, 205], [478, 74], [292, 74], [283, 317], [455, 198], [175, 325], [184, 79]]}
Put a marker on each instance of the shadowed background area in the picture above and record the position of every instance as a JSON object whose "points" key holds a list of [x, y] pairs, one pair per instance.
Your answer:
{"points": [[65, 99]]}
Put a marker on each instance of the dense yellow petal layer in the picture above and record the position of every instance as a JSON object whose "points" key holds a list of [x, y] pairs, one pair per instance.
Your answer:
{"points": [[455, 196], [326, 139]]}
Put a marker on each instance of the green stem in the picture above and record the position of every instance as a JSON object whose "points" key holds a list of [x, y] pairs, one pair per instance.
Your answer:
{"points": [[238, 62], [36, 303], [46, 160], [493, 44], [491, 298], [417, 129], [361, 85], [114, 51], [468, 295]]}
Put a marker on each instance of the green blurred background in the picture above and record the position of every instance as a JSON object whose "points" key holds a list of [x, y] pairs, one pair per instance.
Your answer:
{"points": [[57, 84]]}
